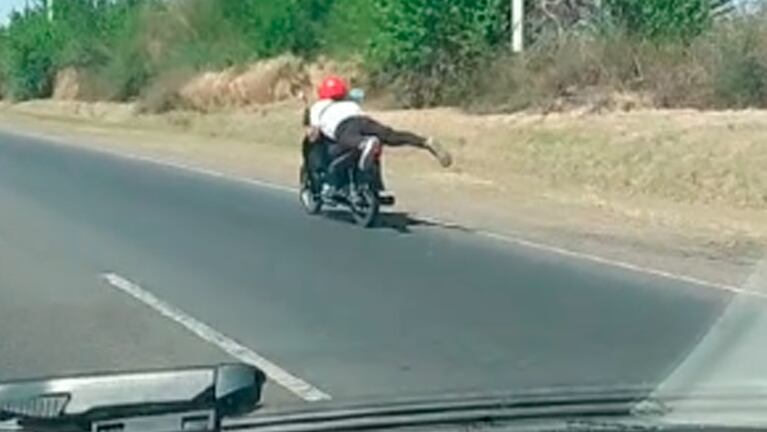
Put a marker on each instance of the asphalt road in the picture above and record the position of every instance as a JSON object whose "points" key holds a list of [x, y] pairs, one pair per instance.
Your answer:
{"points": [[408, 309]]}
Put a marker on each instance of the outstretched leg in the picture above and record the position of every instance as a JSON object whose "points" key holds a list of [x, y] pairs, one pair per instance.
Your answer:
{"points": [[353, 132]]}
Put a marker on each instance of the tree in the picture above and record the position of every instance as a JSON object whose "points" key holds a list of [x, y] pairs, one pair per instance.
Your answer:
{"points": [[661, 20], [28, 58], [430, 46]]}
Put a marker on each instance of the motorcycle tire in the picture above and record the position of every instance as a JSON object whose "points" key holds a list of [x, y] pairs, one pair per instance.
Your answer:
{"points": [[366, 207]]}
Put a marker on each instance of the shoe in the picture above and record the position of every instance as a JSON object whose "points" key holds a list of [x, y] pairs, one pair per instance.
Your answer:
{"points": [[332, 193], [443, 156], [329, 192], [354, 197], [369, 149]]}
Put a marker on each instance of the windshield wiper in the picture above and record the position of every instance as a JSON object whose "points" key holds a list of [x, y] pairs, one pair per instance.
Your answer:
{"points": [[194, 399]]}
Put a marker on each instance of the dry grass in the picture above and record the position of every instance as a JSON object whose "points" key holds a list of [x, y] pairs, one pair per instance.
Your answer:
{"points": [[681, 156], [260, 83], [723, 68]]}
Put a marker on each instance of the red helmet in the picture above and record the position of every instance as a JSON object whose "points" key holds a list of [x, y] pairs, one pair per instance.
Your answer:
{"points": [[333, 87]]}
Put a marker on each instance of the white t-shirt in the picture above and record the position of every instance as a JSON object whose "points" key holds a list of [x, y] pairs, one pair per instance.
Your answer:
{"points": [[328, 114]]}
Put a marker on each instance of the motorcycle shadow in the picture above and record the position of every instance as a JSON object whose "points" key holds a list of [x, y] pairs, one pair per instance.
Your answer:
{"points": [[401, 222]]}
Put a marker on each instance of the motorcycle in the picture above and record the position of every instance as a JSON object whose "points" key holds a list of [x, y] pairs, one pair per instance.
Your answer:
{"points": [[363, 190]]}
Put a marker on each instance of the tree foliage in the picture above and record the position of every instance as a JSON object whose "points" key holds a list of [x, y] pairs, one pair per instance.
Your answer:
{"points": [[30, 46], [428, 46], [429, 51], [664, 20]]}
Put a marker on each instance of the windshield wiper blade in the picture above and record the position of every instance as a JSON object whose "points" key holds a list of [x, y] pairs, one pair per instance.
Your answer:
{"points": [[184, 399]]}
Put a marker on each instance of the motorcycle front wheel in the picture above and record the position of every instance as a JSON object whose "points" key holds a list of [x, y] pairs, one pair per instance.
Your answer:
{"points": [[365, 207]]}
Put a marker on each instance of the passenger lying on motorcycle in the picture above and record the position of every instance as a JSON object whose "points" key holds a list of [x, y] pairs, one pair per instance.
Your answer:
{"points": [[341, 120]]}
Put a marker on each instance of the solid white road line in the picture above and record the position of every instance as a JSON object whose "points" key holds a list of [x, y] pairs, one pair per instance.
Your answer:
{"points": [[623, 265], [292, 383]]}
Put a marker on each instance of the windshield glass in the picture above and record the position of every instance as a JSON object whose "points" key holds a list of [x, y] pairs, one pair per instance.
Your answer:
{"points": [[387, 199]]}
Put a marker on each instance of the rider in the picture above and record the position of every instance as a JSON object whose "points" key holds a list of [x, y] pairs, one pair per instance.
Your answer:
{"points": [[341, 119]]}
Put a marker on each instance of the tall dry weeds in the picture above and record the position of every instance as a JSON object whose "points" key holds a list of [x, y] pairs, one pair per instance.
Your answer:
{"points": [[725, 68]]}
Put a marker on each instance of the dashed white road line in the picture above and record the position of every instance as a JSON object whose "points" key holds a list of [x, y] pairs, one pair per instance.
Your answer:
{"points": [[292, 383]]}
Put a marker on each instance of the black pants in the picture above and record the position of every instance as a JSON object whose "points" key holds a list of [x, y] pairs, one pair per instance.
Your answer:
{"points": [[353, 131], [316, 157]]}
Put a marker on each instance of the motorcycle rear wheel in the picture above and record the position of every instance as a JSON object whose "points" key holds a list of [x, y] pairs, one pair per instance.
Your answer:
{"points": [[366, 207]]}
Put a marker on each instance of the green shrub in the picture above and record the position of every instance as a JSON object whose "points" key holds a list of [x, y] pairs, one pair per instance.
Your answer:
{"points": [[665, 19], [430, 47], [349, 26], [88, 35], [29, 57], [740, 67], [129, 66], [3, 57], [270, 28], [77, 25]]}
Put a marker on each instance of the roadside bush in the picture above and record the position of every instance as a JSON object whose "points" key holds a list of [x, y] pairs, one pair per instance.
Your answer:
{"points": [[116, 60], [80, 27], [171, 40], [29, 59], [3, 56], [270, 28], [741, 83], [177, 38], [162, 94], [725, 68], [663, 20], [740, 63], [428, 48], [350, 24], [201, 34], [129, 67], [84, 34], [157, 40]]}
